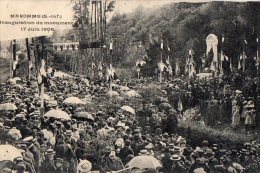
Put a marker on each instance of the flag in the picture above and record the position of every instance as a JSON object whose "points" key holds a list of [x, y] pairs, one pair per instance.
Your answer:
{"points": [[191, 69], [239, 64], [111, 73], [212, 67], [186, 66], [168, 48], [111, 45], [222, 57], [177, 68], [140, 44], [100, 68], [162, 66], [190, 52], [42, 76], [225, 58], [180, 107], [230, 65], [170, 69], [93, 65], [140, 63], [15, 65], [161, 44], [30, 65], [168, 60]]}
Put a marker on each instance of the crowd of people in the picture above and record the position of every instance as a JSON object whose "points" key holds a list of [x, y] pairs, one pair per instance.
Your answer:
{"points": [[232, 100], [111, 138]]}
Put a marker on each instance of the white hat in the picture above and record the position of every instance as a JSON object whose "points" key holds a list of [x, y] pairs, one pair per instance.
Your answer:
{"points": [[238, 92], [199, 170], [84, 166], [27, 139]]}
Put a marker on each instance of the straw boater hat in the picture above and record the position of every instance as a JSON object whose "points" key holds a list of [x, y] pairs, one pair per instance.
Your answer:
{"points": [[175, 157], [50, 152], [84, 166], [149, 146], [143, 153]]}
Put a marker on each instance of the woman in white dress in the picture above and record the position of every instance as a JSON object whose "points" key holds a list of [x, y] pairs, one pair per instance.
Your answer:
{"points": [[235, 114]]}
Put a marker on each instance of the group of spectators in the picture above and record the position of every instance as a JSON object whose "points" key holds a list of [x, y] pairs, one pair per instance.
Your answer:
{"points": [[110, 138]]}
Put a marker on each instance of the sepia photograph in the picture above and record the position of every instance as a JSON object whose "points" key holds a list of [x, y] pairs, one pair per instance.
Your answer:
{"points": [[129, 86]]}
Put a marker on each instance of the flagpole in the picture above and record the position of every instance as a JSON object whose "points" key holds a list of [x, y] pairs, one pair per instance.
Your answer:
{"points": [[29, 58], [161, 61], [11, 54], [110, 77], [243, 56], [221, 56], [42, 84], [14, 58], [257, 57]]}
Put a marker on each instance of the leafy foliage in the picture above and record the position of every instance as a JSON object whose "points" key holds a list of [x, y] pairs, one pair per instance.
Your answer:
{"points": [[185, 26]]}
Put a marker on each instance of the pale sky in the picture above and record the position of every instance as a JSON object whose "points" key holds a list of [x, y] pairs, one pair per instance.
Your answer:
{"points": [[56, 7]]}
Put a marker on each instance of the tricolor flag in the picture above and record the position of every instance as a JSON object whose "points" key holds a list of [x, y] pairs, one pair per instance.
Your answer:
{"points": [[42, 76], [15, 65], [111, 45], [140, 63], [100, 67], [180, 107], [177, 68], [140, 44], [190, 53], [230, 65], [170, 69], [162, 66], [93, 65], [168, 60], [111, 73], [239, 64], [168, 48], [30, 65]]}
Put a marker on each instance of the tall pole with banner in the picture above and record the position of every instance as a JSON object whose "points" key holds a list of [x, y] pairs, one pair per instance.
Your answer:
{"points": [[110, 66], [29, 57], [11, 58], [14, 59], [42, 66], [160, 78], [257, 57]]}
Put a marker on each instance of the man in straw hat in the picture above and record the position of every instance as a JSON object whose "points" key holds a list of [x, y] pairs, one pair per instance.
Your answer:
{"points": [[177, 164]]}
